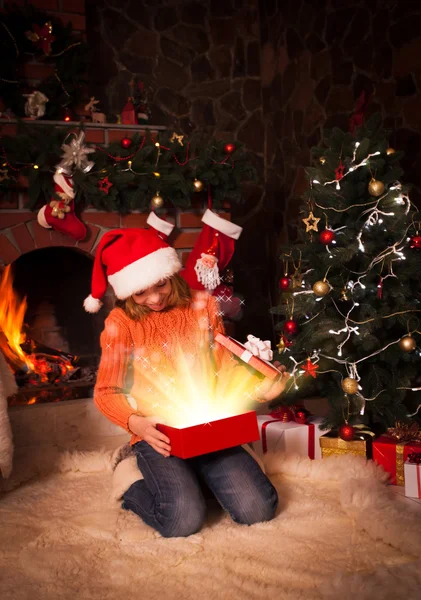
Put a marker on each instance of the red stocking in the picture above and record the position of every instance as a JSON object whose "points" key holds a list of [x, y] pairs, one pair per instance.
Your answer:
{"points": [[59, 213]]}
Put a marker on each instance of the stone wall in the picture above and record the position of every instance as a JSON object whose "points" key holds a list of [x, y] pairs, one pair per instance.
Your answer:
{"points": [[317, 57], [200, 62]]}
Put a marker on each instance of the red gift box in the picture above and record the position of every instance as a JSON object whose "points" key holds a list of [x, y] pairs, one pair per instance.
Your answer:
{"points": [[391, 455], [212, 436], [264, 367]]}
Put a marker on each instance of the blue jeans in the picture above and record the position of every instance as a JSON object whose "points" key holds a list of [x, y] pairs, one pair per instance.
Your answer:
{"points": [[170, 497]]}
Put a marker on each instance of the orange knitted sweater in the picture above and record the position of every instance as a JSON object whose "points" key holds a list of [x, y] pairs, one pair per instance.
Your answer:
{"points": [[136, 353]]}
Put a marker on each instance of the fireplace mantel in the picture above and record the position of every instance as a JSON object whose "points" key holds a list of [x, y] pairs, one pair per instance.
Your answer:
{"points": [[20, 232]]}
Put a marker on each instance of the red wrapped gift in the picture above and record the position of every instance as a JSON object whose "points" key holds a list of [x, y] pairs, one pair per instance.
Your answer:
{"points": [[391, 454], [210, 437], [263, 366]]}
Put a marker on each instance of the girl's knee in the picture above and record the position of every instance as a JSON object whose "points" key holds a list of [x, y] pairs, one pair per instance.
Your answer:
{"points": [[181, 517], [261, 507]]}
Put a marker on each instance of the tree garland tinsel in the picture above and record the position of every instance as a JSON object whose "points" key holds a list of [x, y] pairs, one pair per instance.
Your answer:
{"points": [[27, 33], [150, 165]]}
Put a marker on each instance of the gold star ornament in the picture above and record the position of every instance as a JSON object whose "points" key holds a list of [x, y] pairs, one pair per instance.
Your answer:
{"points": [[311, 222], [177, 138]]}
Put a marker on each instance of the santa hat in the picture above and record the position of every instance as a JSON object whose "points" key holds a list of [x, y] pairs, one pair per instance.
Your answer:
{"points": [[59, 214], [212, 252], [162, 227], [130, 260]]}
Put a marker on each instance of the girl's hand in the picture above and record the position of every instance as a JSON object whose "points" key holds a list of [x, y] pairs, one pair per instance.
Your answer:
{"points": [[270, 389], [145, 427]]}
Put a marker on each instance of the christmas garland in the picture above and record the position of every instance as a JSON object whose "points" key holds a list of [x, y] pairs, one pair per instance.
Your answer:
{"points": [[133, 174], [27, 34]]}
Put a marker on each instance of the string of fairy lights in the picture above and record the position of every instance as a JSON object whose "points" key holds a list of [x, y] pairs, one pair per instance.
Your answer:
{"points": [[374, 214]]}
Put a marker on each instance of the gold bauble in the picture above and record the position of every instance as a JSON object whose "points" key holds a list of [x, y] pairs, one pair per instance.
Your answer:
{"points": [[376, 187], [390, 151], [322, 160], [198, 185], [157, 201], [407, 343], [350, 385], [321, 288]]}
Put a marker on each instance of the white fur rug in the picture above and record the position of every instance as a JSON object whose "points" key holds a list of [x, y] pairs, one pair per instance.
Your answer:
{"points": [[338, 534]]}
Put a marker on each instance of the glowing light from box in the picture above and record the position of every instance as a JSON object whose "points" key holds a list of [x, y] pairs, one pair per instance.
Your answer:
{"points": [[192, 390]]}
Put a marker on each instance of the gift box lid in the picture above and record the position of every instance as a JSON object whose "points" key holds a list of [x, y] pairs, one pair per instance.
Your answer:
{"points": [[262, 366]]}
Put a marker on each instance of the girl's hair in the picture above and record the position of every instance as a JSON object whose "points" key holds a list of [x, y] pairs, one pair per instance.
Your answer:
{"points": [[180, 295]]}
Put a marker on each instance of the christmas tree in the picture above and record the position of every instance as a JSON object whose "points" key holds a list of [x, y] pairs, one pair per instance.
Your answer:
{"points": [[350, 291]]}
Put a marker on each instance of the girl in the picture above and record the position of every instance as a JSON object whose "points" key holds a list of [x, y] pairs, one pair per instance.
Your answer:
{"points": [[155, 314]]}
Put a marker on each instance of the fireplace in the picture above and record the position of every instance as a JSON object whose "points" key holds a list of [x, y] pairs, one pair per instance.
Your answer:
{"points": [[59, 337]]}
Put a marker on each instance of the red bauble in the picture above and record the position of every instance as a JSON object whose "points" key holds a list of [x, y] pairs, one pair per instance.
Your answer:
{"points": [[290, 327], [346, 432], [301, 417], [285, 283], [327, 236], [415, 242], [126, 142], [229, 148]]}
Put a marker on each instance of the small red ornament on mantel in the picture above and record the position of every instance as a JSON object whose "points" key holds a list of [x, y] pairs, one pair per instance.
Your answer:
{"points": [[346, 432], [327, 236], [128, 114], [290, 327], [126, 142], [415, 242], [285, 283], [229, 148]]}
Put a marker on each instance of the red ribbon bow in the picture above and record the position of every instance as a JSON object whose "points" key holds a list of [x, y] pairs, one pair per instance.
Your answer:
{"points": [[290, 413], [415, 458]]}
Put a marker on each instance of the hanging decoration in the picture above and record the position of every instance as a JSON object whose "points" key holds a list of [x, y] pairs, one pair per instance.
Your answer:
{"points": [[177, 138], [321, 288], [339, 171], [327, 236], [407, 343], [229, 148], [75, 155], [310, 368], [346, 432], [350, 385], [285, 283], [376, 187], [104, 185], [157, 201], [284, 344], [126, 143], [198, 185], [415, 241], [311, 222]]}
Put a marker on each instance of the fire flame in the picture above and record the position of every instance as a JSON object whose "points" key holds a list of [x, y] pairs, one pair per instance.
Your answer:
{"points": [[12, 313]]}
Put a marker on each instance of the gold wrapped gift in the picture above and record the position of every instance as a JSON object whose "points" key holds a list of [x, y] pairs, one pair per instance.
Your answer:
{"points": [[330, 445]]}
